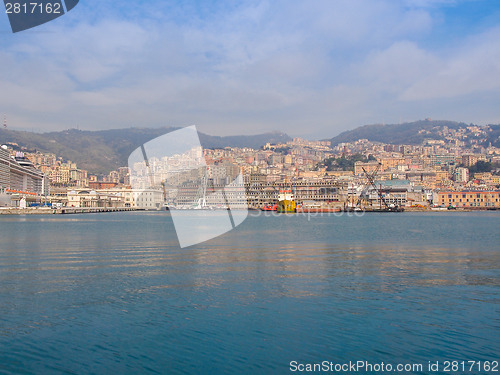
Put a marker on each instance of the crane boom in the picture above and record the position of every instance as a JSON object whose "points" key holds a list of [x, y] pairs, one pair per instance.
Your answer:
{"points": [[371, 179], [365, 189]]}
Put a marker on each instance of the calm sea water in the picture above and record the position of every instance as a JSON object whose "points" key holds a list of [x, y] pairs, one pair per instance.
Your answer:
{"points": [[114, 294]]}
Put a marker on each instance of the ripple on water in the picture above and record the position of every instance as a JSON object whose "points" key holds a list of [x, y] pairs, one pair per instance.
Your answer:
{"points": [[114, 293]]}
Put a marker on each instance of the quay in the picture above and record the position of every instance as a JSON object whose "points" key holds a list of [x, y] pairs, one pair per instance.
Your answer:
{"points": [[64, 210]]}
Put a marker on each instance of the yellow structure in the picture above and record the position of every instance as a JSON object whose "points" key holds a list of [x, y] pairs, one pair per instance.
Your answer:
{"points": [[469, 199], [286, 201]]}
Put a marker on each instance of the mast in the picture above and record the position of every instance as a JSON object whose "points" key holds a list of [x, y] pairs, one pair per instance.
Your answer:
{"points": [[204, 201]]}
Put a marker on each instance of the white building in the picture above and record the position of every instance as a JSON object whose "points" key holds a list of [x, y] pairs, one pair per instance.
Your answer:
{"points": [[461, 174], [149, 199]]}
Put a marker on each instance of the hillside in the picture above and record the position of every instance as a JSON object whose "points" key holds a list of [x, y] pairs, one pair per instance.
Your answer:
{"points": [[415, 133], [106, 150]]}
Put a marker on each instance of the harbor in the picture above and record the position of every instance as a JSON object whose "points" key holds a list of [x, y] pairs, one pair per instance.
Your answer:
{"points": [[372, 186]]}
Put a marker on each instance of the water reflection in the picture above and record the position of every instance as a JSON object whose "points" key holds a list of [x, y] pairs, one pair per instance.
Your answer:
{"points": [[116, 292]]}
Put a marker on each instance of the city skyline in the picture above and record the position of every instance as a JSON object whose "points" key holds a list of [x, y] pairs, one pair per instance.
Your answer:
{"points": [[438, 174], [306, 70]]}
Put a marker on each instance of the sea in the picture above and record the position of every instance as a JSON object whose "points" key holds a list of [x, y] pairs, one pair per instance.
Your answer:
{"points": [[113, 293]]}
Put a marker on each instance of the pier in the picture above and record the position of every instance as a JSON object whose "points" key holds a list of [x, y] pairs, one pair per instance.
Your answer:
{"points": [[88, 210], [64, 210]]}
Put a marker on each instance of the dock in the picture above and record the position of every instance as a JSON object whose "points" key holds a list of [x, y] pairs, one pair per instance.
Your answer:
{"points": [[63, 211]]}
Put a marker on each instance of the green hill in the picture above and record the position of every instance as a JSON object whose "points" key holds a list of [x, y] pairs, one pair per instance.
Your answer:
{"points": [[106, 150], [412, 133]]}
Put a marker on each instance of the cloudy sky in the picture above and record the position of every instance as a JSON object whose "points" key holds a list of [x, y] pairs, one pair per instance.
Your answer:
{"points": [[309, 68]]}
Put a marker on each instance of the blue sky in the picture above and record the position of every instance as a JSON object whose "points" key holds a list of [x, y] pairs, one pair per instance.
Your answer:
{"points": [[308, 68]]}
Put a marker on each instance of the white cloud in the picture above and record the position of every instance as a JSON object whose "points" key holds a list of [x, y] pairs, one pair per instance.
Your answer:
{"points": [[255, 66], [473, 67], [397, 67]]}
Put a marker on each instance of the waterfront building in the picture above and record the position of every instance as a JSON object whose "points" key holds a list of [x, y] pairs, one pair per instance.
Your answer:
{"points": [[395, 196], [93, 199], [149, 199], [326, 191], [201, 194], [469, 199], [258, 192]]}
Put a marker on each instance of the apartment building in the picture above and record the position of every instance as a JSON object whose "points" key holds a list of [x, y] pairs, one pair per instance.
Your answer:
{"points": [[461, 174]]}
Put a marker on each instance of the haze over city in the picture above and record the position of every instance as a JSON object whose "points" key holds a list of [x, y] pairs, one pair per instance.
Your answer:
{"points": [[311, 69]]}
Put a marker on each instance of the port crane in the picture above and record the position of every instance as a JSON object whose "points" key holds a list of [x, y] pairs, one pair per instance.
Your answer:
{"points": [[364, 192], [371, 180]]}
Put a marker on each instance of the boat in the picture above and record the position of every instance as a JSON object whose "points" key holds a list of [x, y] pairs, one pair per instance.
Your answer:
{"points": [[387, 209], [269, 207], [286, 202], [439, 208]]}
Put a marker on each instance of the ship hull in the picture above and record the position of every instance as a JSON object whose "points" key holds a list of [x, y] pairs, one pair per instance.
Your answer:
{"points": [[269, 208], [286, 206]]}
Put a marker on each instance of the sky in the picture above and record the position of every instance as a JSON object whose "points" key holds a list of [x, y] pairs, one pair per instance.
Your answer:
{"points": [[308, 68]]}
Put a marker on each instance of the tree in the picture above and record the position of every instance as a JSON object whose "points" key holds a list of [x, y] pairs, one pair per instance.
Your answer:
{"points": [[346, 163], [479, 167]]}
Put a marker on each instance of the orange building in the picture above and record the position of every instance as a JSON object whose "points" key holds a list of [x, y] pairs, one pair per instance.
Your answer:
{"points": [[388, 163], [469, 199], [369, 167], [102, 185]]}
